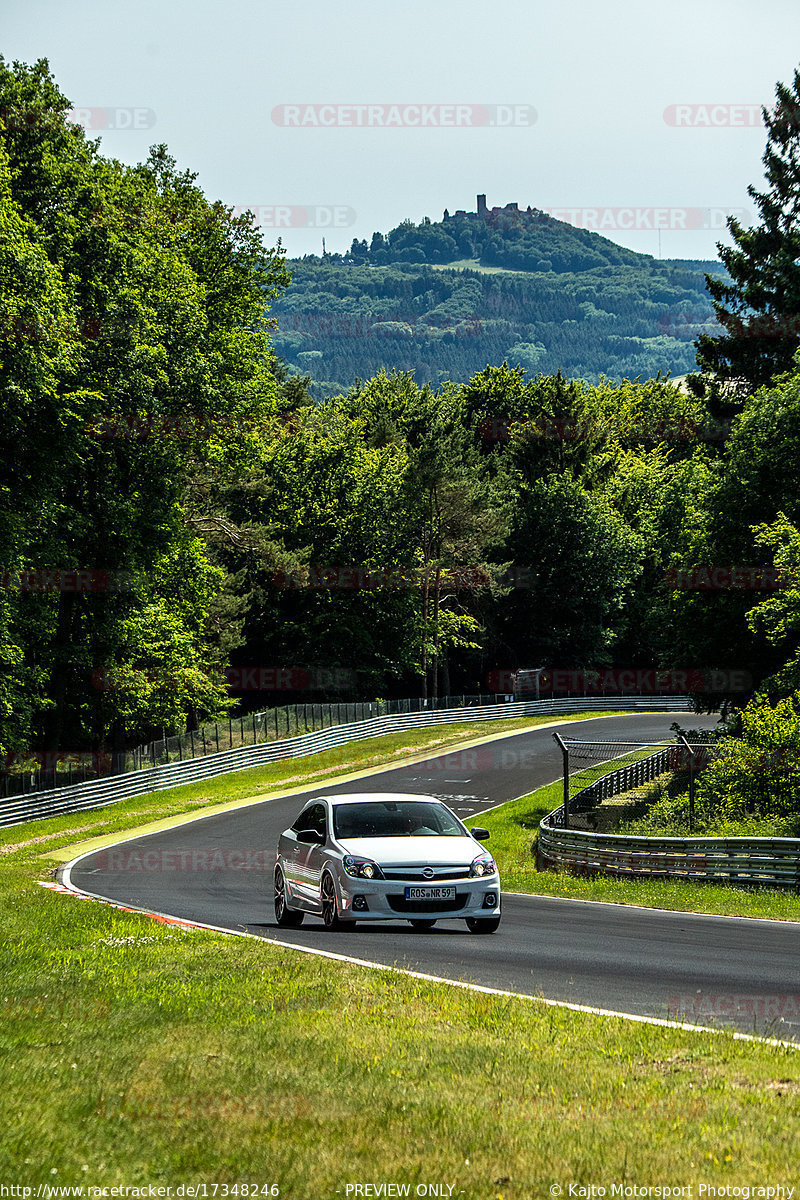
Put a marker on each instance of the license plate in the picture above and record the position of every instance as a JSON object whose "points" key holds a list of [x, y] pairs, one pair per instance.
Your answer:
{"points": [[430, 893]]}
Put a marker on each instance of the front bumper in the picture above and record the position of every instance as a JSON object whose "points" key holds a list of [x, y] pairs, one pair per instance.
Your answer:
{"points": [[384, 900]]}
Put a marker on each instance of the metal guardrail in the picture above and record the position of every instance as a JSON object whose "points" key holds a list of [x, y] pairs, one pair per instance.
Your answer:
{"points": [[101, 792], [750, 860], [270, 725]]}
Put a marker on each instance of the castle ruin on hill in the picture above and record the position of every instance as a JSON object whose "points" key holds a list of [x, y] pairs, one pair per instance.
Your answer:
{"points": [[509, 214]]}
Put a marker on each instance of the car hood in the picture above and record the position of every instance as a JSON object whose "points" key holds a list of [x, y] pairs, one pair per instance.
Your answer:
{"points": [[415, 851]]}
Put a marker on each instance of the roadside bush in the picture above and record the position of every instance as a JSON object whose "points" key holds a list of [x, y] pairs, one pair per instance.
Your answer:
{"points": [[669, 817], [751, 787], [757, 774]]}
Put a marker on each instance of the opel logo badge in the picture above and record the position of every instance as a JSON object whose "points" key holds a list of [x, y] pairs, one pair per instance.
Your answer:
{"points": [[429, 872]]}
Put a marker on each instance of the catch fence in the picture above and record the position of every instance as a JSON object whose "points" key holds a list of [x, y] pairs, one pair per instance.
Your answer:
{"points": [[738, 860]]}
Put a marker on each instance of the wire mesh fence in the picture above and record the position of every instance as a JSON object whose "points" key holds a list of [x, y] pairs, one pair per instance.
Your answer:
{"points": [[568, 842], [595, 771]]}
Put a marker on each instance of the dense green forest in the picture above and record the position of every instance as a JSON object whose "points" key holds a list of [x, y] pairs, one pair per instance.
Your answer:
{"points": [[177, 503], [534, 292]]}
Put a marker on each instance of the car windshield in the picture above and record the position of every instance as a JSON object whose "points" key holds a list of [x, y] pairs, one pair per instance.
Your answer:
{"points": [[394, 818]]}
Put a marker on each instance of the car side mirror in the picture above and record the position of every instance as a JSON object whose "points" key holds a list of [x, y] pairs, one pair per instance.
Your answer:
{"points": [[479, 834], [311, 837]]}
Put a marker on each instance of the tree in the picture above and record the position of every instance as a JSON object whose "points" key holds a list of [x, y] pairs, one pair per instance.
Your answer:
{"points": [[778, 616], [453, 514], [756, 773], [165, 660], [753, 482], [40, 346], [581, 559], [335, 503], [139, 347], [655, 492], [759, 309]]}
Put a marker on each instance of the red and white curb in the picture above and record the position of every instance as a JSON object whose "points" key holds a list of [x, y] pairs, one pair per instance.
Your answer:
{"points": [[139, 912]]}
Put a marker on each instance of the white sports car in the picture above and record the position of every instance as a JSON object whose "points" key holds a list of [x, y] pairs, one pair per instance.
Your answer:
{"points": [[384, 857]]}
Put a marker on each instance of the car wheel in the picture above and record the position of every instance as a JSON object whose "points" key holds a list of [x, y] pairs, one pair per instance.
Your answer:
{"points": [[483, 924], [421, 924], [285, 916], [330, 910]]}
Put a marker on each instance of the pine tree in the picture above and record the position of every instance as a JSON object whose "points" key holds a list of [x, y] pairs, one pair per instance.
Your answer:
{"points": [[759, 310]]}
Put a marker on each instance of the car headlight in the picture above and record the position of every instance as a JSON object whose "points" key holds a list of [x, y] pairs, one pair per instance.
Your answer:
{"points": [[484, 864], [361, 868]]}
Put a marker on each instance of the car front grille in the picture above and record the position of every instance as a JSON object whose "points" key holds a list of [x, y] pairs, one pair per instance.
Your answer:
{"points": [[416, 874], [401, 905]]}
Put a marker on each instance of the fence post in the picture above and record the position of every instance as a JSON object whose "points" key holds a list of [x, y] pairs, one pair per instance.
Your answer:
{"points": [[691, 783], [565, 756]]}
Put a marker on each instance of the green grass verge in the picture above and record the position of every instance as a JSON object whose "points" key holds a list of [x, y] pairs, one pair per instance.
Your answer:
{"points": [[136, 1054]]}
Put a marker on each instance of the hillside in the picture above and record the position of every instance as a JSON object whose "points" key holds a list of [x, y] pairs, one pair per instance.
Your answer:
{"points": [[446, 298]]}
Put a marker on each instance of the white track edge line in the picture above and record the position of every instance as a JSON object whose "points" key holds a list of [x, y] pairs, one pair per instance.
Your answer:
{"points": [[65, 874], [675, 912]]}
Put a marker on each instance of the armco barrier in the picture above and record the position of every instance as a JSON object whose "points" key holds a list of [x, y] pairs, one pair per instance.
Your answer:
{"points": [[100, 792], [749, 860]]}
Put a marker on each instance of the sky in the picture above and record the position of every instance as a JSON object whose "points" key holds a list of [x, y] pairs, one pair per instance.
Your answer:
{"points": [[336, 118]]}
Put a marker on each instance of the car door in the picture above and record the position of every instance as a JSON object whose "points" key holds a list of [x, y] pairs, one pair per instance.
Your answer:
{"points": [[309, 857], [290, 848]]}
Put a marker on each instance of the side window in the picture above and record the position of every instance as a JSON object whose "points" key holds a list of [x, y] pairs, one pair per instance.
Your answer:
{"points": [[312, 817], [304, 820], [317, 819]]}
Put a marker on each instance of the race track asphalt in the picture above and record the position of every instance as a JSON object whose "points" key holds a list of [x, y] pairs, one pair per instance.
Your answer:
{"points": [[643, 962]]}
